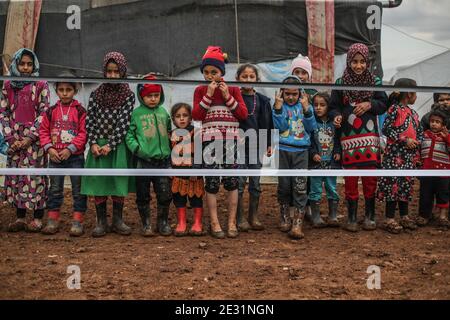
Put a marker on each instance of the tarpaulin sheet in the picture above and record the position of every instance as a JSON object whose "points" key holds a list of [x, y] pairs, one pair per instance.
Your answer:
{"points": [[171, 36]]}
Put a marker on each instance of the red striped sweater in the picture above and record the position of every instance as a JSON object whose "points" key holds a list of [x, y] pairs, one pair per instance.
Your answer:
{"points": [[435, 151], [220, 118]]}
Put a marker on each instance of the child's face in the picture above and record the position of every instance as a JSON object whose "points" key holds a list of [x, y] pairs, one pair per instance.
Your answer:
{"points": [[444, 100], [112, 71], [25, 65], [182, 118], [358, 64], [152, 100], [320, 107], [412, 96], [211, 73], [248, 75], [291, 96], [65, 92], [436, 124], [302, 74]]}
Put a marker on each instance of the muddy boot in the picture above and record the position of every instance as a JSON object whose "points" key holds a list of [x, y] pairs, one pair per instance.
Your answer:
{"points": [[52, 226], [242, 222], [102, 225], [352, 225], [369, 221], [308, 213], [296, 231], [181, 223], [77, 230], [144, 212], [163, 221], [197, 227], [253, 213], [118, 226], [332, 213], [317, 221], [285, 217]]}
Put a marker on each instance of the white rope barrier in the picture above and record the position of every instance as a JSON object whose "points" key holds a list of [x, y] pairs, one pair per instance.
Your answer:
{"points": [[277, 85], [224, 172]]}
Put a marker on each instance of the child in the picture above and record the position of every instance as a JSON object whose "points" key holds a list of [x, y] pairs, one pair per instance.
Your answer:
{"points": [[107, 122], [325, 154], [184, 188], [148, 140], [404, 134], [435, 155], [259, 117], [355, 112], [22, 107], [440, 99], [63, 137], [302, 68], [293, 116], [219, 108]]}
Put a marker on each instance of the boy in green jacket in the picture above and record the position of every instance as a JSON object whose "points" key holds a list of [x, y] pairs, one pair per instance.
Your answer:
{"points": [[148, 139]]}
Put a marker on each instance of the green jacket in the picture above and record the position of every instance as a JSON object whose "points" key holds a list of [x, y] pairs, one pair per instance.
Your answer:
{"points": [[148, 136]]}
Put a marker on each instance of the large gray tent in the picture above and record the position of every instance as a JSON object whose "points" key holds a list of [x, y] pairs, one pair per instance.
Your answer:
{"points": [[170, 36]]}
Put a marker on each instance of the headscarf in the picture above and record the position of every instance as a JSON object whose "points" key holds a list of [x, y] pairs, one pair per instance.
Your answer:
{"points": [[111, 95], [364, 79], [14, 70]]}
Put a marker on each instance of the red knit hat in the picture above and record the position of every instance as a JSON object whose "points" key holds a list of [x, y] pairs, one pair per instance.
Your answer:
{"points": [[214, 57], [148, 88]]}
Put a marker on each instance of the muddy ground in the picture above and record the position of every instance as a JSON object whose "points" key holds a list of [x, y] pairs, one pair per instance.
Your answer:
{"points": [[327, 264]]}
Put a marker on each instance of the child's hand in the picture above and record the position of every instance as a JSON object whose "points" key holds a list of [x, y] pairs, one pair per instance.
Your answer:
{"points": [[317, 158], [304, 100], [361, 108], [225, 92], [212, 88], [411, 143], [15, 146], [337, 121], [105, 150], [337, 157], [444, 133], [95, 149], [54, 155], [269, 152], [25, 143], [278, 100], [65, 154]]}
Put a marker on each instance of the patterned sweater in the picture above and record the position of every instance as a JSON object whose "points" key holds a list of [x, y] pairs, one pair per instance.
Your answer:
{"points": [[435, 151], [108, 123], [220, 119], [360, 137], [57, 131]]}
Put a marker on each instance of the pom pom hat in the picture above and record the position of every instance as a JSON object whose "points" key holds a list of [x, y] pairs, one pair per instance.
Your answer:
{"points": [[150, 87], [214, 57], [303, 63]]}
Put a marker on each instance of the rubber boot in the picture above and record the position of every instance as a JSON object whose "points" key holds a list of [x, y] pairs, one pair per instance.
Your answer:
{"points": [[332, 213], [352, 225], [52, 226], [102, 225], [285, 218], [144, 212], [163, 221], [317, 221], [242, 222], [253, 213], [296, 231], [118, 226], [197, 227], [369, 221], [181, 223], [77, 230]]}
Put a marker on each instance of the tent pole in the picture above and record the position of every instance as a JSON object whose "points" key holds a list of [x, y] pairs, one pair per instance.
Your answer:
{"points": [[237, 31]]}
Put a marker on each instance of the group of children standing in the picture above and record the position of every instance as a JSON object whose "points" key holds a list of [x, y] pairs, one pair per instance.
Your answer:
{"points": [[316, 131]]}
